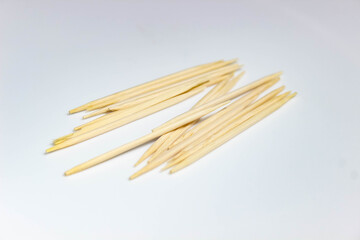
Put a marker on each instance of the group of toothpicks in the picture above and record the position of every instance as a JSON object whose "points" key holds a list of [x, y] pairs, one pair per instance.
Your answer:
{"points": [[217, 117]]}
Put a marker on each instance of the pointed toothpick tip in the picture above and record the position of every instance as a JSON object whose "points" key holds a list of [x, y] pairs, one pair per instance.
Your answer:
{"points": [[135, 175], [76, 110], [140, 161], [132, 177], [72, 111], [49, 150], [72, 171]]}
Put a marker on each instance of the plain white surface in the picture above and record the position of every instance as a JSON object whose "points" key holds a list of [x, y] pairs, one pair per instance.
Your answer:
{"points": [[295, 175]]}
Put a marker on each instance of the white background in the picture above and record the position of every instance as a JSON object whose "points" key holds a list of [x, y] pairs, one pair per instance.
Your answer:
{"points": [[295, 175]]}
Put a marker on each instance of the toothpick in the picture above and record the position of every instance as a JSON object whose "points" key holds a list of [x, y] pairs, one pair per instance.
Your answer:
{"points": [[114, 125], [153, 87], [231, 134], [208, 79], [190, 150], [122, 113], [139, 111], [154, 148], [142, 86], [214, 78], [225, 114], [124, 148], [255, 92], [218, 90], [225, 97], [211, 77], [241, 103]]}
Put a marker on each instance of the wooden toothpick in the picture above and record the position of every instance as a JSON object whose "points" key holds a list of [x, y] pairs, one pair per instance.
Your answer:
{"points": [[207, 127], [142, 140], [231, 134], [225, 97], [190, 150], [142, 86], [218, 90], [151, 86], [142, 110], [114, 125]]}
